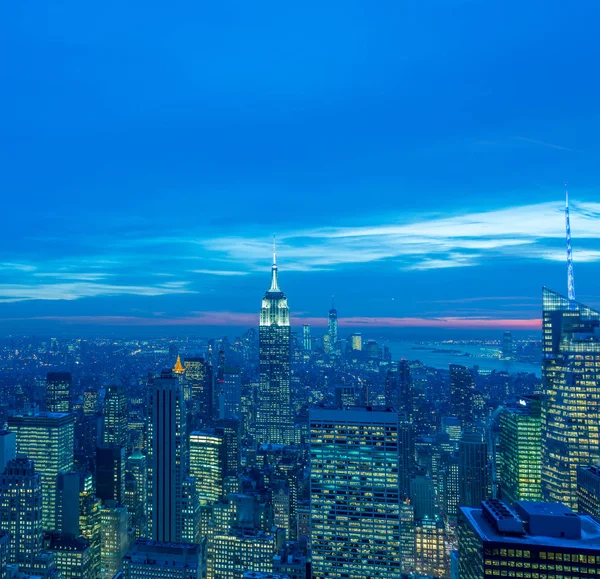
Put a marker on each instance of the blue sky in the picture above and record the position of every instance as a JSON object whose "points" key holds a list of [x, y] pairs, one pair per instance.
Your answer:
{"points": [[410, 158]]}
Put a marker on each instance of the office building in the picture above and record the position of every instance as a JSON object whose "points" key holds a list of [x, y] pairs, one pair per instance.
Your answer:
{"points": [[462, 390], [571, 405], [398, 388], [59, 395], [242, 550], [155, 560], [354, 474], [274, 420], [21, 510], [332, 326], [431, 559], [306, 339], [72, 555], [473, 474], [78, 512], [406, 443], [207, 464], [114, 432], [110, 473], [199, 377], [8, 448], [508, 346], [47, 438], [114, 524], [407, 538], [137, 495], [533, 540], [168, 456], [520, 450], [356, 342], [588, 490], [230, 402]]}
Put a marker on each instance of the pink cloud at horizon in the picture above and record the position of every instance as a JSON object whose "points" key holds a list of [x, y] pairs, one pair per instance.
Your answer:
{"points": [[251, 319]]}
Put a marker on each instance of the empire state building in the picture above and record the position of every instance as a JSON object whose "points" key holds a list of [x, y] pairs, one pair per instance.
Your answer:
{"points": [[274, 422]]}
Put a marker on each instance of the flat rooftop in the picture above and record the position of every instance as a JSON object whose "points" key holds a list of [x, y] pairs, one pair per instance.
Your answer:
{"points": [[590, 532]]}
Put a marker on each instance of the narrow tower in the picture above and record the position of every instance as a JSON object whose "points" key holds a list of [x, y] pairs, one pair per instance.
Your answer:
{"points": [[274, 422], [570, 276], [333, 325]]}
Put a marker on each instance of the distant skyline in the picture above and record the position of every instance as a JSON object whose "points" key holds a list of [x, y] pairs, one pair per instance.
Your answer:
{"points": [[411, 160]]}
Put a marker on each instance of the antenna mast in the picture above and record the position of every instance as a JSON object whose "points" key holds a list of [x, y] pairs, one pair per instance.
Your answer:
{"points": [[570, 276]]}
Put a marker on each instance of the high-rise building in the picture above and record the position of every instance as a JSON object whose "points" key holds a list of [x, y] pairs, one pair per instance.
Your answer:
{"points": [[114, 538], [332, 326], [199, 376], [47, 438], [240, 551], [110, 473], [473, 471], [588, 490], [230, 402], [508, 346], [345, 396], [59, 395], [8, 448], [462, 389], [274, 420], [306, 338], [534, 539], [169, 458], [520, 449], [406, 443], [355, 517], [398, 388], [78, 512], [207, 464], [73, 555], [155, 560], [431, 559], [137, 475], [407, 537], [571, 405], [21, 510], [356, 342], [114, 432]]}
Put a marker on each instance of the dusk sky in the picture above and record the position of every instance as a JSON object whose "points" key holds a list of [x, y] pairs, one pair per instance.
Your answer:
{"points": [[409, 156]]}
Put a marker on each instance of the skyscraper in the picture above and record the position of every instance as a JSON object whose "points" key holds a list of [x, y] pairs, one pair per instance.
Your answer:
{"points": [[58, 392], [207, 464], [332, 327], [8, 448], [168, 462], [274, 421], [472, 470], [21, 510], [153, 560], [47, 438], [115, 417], [462, 387], [110, 473], [571, 406], [588, 490], [306, 338], [199, 375], [355, 502], [520, 449]]}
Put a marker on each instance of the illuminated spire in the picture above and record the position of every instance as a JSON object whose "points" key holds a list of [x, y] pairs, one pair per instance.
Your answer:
{"points": [[570, 276], [178, 368], [274, 285], [333, 302]]}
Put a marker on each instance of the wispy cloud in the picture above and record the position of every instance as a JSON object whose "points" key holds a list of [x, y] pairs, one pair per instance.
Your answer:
{"points": [[544, 144], [219, 272]]}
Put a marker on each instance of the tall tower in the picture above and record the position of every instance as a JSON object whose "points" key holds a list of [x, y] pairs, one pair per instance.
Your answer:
{"points": [[58, 392], [168, 456], [47, 438], [333, 326], [570, 275], [571, 404], [472, 469], [274, 422], [115, 417], [462, 387], [355, 498]]}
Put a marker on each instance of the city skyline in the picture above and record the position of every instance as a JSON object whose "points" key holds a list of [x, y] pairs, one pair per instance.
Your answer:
{"points": [[157, 165]]}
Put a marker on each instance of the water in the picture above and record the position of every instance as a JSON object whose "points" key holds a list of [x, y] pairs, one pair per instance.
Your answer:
{"points": [[442, 355]]}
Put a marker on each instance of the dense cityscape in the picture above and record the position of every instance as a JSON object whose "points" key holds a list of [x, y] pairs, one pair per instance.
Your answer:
{"points": [[284, 454]]}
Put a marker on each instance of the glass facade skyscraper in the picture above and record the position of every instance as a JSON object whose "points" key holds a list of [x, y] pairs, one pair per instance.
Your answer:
{"points": [[115, 417], [58, 392], [274, 421], [355, 498], [571, 382]]}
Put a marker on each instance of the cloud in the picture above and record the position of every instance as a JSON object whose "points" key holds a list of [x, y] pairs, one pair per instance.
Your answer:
{"points": [[426, 241], [544, 144], [218, 272], [10, 293]]}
